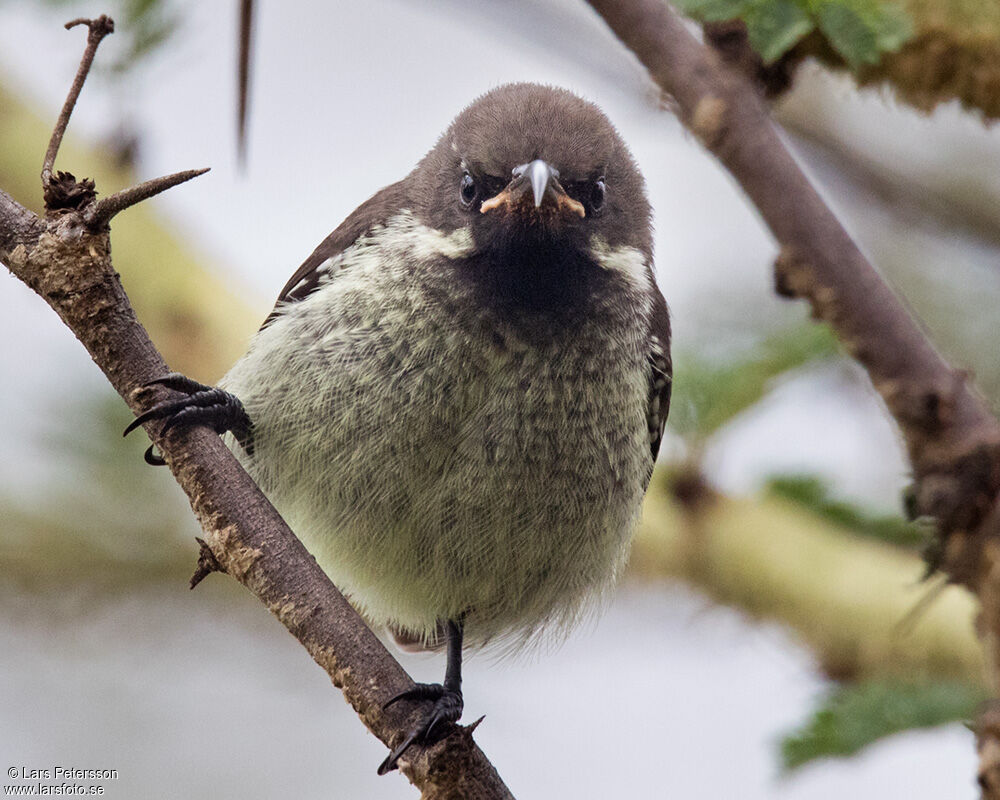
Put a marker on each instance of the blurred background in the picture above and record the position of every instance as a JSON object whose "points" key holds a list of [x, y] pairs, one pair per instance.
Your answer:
{"points": [[772, 638]]}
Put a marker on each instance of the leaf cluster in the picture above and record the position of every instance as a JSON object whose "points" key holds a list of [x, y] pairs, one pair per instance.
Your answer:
{"points": [[813, 493], [709, 394], [860, 31], [853, 716]]}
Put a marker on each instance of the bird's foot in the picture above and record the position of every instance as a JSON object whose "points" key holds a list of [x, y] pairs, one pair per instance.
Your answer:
{"points": [[447, 707], [201, 405]]}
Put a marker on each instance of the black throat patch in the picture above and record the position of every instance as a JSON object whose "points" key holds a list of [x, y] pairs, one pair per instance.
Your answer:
{"points": [[524, 273]]}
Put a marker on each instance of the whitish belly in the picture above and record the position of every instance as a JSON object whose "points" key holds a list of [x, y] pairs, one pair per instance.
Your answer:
{"points": [[448, 468]]}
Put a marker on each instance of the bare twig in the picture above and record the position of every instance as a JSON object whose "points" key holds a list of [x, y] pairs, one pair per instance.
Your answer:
{"points": [[67, 261], [243, 77], [101, 212], [97, 29]]}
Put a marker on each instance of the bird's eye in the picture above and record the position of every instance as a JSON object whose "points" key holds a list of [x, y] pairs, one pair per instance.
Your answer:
{"points": [[467, 190], [597, 194]]}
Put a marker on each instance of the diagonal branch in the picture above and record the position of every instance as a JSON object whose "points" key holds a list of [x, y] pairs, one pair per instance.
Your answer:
{"points": [[71, 270], [952, 439], [97, 29], [66, 259]]}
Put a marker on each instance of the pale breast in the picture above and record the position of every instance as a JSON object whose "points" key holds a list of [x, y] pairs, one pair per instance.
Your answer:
{"points": [[437, 461]]}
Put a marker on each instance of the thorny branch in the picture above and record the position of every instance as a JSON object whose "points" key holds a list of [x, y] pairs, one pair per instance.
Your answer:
{"points": [[953, 440], [66, 259]]}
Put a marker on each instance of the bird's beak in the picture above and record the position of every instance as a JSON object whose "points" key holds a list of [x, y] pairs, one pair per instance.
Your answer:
{"points": [[542, 179]]}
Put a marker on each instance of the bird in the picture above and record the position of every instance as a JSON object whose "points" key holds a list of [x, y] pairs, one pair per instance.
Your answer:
{"points": [[458, 398]]}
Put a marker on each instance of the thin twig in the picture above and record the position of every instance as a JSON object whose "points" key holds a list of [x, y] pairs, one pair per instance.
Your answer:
{"points": [[97, 29], [101, 212], [246, 45]]}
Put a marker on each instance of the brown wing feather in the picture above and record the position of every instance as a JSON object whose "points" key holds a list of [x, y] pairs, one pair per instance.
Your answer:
{"points": [[375, 210], [661, 372]]}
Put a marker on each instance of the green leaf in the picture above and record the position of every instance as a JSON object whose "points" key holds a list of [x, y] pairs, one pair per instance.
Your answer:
{"points": [[774, 26], [812, 492], [851, 717], [852, 35], [859, 30], [892, 28], [713, 10], [708, 394]]}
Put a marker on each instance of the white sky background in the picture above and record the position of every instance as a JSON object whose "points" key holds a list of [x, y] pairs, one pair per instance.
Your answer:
{"points": [[345, 98]]}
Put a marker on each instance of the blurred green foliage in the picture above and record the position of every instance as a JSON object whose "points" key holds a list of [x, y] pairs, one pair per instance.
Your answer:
{"points": [[141, 27], [854, 716], [813, 493], [104, 515], [708, 394], [860, 31]]}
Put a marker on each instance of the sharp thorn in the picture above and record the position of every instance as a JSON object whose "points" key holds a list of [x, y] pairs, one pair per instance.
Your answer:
{"points": [[472, 726], [207, 562]]}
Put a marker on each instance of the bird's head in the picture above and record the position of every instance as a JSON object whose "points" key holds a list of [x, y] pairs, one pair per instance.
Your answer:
{"points": [[539, 177]]}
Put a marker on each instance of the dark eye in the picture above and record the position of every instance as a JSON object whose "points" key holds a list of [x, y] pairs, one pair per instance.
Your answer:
{"points": [[467, 190], [597, 194]]}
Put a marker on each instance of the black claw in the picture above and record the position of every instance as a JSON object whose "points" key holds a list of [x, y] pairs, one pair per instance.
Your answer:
{"points": [[419, 691], [391, 761], [447, 708], [152, 459], [179, 382], [203, 405], [164, 410]]}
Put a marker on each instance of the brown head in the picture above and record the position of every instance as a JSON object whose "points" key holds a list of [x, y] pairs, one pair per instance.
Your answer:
{"points": [[537, 175], [539, 154]]}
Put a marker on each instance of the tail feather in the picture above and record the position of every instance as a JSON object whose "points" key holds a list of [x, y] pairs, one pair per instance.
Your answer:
{"points": [[414, 642]]}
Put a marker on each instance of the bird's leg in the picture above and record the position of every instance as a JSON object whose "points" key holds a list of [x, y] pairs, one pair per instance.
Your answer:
{"points": [[447, 699], [202, 405]]}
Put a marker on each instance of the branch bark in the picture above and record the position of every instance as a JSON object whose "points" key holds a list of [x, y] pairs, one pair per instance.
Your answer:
{"points": [[953, 440], [67, 261]]}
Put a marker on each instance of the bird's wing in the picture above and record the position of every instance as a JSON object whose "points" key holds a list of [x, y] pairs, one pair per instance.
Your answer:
{"points": [[374, 211], [661, 371]]}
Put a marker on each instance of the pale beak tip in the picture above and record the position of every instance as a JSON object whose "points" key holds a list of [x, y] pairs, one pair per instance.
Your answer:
{"points": [[540, 174]]}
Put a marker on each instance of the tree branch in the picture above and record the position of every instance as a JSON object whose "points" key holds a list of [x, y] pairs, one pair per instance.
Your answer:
{"points": [[18, 226], [953, 440], [67, 262]]}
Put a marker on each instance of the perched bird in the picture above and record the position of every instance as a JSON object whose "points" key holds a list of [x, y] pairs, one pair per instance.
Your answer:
{"points": [[458, 398]]}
